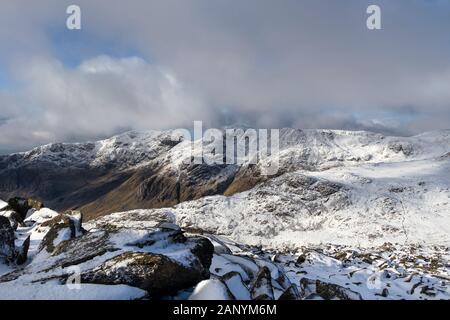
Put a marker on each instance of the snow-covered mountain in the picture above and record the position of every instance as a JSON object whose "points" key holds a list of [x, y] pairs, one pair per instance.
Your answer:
{"points": [[342, 203], [333, 186]]}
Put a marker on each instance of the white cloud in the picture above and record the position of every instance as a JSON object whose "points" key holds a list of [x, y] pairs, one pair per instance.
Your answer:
{"points": [[98, 98]]}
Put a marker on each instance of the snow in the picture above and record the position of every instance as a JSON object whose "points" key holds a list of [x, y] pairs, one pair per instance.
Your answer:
{"points": [[396, 270], [3, 204], [41, 215], [210, 290], [237, 288], [343, 196], [127, 150], [395, 196], [14, 291]]}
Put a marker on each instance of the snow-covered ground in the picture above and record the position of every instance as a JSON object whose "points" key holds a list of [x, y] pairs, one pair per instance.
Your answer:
{"points": [[15, 291]]}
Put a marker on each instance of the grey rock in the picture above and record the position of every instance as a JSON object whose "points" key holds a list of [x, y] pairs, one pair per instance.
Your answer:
{"points": [[154, 273], [261, 288], [7, 238]]}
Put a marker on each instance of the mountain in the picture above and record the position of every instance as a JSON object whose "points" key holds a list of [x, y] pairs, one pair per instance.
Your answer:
{"points": [[146, 170], [349, 215]]}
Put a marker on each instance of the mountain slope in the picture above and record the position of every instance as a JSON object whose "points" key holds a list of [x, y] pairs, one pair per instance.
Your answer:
{"points": [[146, 170]]}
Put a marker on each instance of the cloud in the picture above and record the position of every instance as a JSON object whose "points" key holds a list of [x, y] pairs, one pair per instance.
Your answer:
{"points": [[100, 97], [306, 64]]}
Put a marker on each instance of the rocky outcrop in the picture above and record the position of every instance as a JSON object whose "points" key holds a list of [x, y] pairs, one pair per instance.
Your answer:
{"points": [[63, 227], [22, 206], [7, 246], [8, 250], [326, 291], [158, 258], [261, 288], [155, 273]]}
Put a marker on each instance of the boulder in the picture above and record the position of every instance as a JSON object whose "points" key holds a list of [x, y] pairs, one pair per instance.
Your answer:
{"points": [[155, 273], [290, 293], [327, 291], [14, 218], [22, 253], [203, 250], [8, 250], [7, 238], [235, 284], [331, 291], [261, 288], [61, 228], [22, 206]]}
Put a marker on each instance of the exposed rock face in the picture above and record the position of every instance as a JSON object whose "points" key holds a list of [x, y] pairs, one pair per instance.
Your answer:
{"points": [[158, 185], [130, 171]]}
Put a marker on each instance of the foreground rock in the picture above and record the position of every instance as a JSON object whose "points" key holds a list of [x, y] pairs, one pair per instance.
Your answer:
{"points": [[155, 273], [9, 253], [144, 254], [157, 258], [22, 207], [7, 247]]}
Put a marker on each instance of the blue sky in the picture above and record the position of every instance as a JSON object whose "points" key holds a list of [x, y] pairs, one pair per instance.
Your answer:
{"points": [[165, 63]]}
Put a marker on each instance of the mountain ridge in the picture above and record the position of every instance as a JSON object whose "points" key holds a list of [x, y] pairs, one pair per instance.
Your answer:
{"points": [[145, 170]]}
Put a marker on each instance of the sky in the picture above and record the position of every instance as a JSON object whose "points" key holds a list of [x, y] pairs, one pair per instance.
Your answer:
{"points": [[161, 64]]}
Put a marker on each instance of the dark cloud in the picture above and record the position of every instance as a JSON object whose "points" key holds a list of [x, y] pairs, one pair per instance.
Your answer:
{"points": [[260, 62]]}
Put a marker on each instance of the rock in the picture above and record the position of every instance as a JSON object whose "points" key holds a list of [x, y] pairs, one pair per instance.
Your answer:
{"points": [[23, 252], [203, 250], [22, 206], [307, 287], [330, 291], [406, 148], [326, 189], [291, 293], [14, 219], [247, 264], [261, 288], [213, 289], [39, 217], [7, 237], [313, 296], [233, 281], [327, 291], [82, 249], [219, 246], [155, 273], [301, 259], [61, 228]]}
